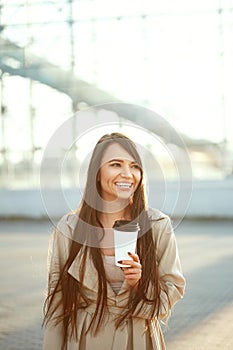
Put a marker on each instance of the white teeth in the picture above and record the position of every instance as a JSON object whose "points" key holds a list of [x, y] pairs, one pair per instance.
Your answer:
{"points": [[123, 185]]}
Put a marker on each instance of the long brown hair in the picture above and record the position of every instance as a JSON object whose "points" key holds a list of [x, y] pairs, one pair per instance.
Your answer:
{"points": [[71, 296]]}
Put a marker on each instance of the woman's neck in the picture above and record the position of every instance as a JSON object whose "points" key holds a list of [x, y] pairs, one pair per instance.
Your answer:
{"points": [[108, 218]]}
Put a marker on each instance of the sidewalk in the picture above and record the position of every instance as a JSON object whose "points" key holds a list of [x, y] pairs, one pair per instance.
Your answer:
{"points": [[203, 320]]}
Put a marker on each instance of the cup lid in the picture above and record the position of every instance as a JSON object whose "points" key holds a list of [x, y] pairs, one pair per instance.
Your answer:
{"points": [[126, 225]]}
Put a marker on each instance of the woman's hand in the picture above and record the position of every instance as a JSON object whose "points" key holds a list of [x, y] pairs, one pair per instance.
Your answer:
{"points": [[134, 272]]}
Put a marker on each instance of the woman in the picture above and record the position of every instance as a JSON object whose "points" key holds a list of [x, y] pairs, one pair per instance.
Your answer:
{"points": [[91, 303]]}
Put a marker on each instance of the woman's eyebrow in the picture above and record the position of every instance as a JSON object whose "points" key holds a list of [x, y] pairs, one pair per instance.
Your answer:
{"points": [[116, 160], [121, 160]]}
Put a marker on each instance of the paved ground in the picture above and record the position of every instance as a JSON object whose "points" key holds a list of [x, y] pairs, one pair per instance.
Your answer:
{"points": [[203, 320]]}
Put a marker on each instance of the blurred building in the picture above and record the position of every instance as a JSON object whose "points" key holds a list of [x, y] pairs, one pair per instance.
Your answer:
{"points": [[58, 57]]}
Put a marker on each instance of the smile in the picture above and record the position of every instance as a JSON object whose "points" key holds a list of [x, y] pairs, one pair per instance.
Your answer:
{"points": [[124, 185]]}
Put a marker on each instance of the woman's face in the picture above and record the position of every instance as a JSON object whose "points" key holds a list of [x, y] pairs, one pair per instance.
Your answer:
{"points": [[119, 174]]}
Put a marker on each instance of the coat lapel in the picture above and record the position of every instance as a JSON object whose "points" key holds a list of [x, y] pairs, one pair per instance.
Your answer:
{"points": [[90, 279]]}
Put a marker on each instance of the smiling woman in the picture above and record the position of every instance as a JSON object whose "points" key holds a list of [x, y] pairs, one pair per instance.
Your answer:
{"points": [[91, 301], [118, 177]]}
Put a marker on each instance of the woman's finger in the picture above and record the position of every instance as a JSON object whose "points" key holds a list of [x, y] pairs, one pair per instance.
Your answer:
{"points": [[130, 263], [132, 271], [134, 256]]}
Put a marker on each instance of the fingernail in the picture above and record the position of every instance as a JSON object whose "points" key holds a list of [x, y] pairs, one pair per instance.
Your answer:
{"points": [[120, 262]]}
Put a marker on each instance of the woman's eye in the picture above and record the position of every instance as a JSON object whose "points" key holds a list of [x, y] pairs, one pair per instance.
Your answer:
{"points": [[135, 166], [115, 164]]}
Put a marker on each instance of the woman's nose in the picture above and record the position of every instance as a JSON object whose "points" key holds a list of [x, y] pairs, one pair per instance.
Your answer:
{"points": [[126, 172]]}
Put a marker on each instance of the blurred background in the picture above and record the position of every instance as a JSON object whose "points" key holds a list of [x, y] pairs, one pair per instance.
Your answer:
{"points": [[160, 71], [171, 57]]}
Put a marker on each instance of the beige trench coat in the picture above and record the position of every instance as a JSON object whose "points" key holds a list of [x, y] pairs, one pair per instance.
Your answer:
{"points": [[132, 335]]}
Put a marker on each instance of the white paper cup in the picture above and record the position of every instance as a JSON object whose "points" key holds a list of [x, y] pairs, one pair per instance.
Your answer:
{"points": [[125, 240]]}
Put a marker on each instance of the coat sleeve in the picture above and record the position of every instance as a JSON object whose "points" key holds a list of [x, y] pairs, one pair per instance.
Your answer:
{"points": [[170, 273], [58, 251], [171, 278]]}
